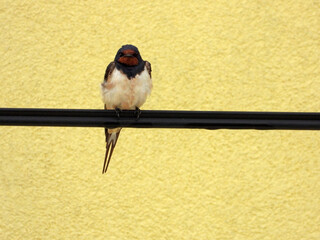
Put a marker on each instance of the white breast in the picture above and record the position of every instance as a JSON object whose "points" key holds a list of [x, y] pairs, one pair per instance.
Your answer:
{"points": [[120, 92]]}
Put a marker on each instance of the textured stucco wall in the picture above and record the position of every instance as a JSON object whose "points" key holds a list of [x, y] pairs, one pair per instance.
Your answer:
{"points": [[161, 184]]}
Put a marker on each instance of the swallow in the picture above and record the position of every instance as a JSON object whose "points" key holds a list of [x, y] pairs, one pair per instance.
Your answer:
{"points": [[126, 86]]}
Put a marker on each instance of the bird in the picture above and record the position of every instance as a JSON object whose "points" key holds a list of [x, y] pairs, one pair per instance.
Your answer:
{"points": [[127, 84]]}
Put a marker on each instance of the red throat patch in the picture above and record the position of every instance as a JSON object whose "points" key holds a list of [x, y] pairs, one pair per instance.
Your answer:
{"points": [[130, 61]]}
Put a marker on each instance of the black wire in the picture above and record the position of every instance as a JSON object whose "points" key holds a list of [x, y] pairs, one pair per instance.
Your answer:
{"points": [[160, 119]]}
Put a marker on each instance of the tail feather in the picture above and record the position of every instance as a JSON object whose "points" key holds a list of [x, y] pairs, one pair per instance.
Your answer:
{"points": [[111, 141]]}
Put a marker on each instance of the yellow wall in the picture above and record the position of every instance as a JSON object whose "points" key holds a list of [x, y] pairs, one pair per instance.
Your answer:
{"points": [[161, 184]]}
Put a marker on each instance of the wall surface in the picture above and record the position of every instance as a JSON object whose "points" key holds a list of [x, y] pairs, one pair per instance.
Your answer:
{"points": [[162, 184]]}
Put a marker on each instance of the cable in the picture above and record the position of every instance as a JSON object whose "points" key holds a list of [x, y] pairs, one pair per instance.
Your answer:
{"points": [[160, 119]]}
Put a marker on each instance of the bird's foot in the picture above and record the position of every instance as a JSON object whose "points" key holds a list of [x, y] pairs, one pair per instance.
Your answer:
{"points": [[118, 111], [137, 112]]}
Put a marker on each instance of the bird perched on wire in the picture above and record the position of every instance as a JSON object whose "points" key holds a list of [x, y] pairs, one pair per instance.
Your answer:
{"points": [[127, 83]]}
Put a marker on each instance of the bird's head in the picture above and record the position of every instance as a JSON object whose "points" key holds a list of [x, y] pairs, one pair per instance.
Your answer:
{"points": [[128, 55]]}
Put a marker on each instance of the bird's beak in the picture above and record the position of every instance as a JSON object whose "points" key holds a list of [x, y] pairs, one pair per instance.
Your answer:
{"points": [[128, 55]]}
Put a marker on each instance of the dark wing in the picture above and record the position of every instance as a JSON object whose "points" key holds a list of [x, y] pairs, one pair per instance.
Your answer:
{"points": [[148, 66], [110, 144], [109, 70]]}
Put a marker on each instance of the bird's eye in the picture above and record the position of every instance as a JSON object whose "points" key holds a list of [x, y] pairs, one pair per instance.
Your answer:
{"points": [[121, 54]]}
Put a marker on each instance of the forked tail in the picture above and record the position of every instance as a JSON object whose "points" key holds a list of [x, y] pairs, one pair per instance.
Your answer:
{"points": [[111, 141]]}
